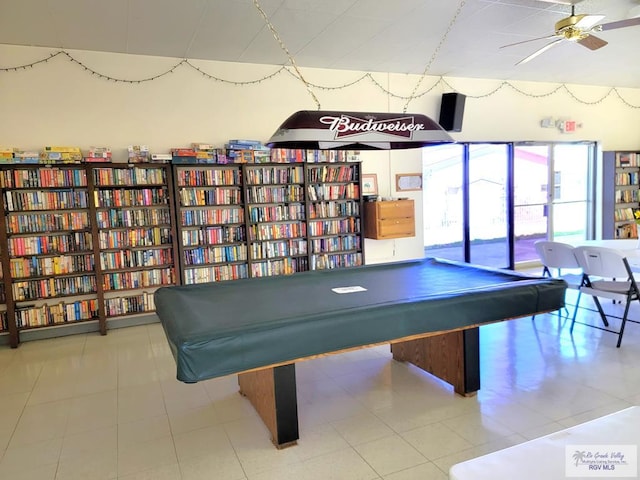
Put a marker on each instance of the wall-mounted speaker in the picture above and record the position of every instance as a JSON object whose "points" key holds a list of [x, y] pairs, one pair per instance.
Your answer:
{"points": [[452, 111]]}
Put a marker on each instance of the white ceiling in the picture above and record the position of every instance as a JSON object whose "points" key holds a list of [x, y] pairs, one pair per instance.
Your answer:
{"points": [[369, 35]]}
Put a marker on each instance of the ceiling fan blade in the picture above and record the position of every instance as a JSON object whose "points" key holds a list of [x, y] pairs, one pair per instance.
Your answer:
{"points": [[530, 40], [592, 42], [539, 51], [588, 21], [629, 22]]}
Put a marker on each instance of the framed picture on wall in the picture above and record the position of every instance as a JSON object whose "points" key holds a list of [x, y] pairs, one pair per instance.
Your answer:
{"points": [[369, 184], [408, 181]]}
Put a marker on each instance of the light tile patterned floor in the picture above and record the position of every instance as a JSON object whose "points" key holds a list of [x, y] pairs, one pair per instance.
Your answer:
{"points": [[92, 407]]}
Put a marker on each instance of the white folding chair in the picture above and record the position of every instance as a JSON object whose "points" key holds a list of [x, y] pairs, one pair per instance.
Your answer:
{"points": [[558, 261], [607, 274]]}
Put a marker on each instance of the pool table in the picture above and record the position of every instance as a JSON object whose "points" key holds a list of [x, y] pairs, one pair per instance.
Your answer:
{"points": [[429, 310]]}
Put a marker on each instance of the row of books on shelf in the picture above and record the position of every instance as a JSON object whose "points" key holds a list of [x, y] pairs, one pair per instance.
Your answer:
{"points": [[56, 314], [335, 244], [627, 196], [334, 227], [54, 287], [37, 177], [626, 230], [136, 237], [129, 197], [627, 178], [18, 200], [117, 218], [218, 273], [622, 214], [151, 257], [627, 159], [53, 244], [211, 254], [275, 231], [278, 248], [276, 213], [210, 177], [141, 303], [197, 196], [274, 175], [270, 194], [349, 191], [331, 174], [47, 221], [234, 151], [47, 266], [214, 235], [140, 279], [129, 176], [211, 216], [282, 266], [334, 209], [331, 261]]}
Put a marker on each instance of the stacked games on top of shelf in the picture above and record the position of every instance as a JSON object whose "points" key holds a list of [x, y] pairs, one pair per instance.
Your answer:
{"points": [[98, 154], [205, 153], [138, 154], [57, 154], [6, 155], [247, 151]]}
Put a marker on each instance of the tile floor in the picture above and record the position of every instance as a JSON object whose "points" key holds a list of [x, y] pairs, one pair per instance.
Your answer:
{"points": [[92, 407]]}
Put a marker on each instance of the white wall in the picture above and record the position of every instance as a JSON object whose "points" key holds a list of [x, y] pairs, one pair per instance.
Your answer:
{"points": [[61, 103]]}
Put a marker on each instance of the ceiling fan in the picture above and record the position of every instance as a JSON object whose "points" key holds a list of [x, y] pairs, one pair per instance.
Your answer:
{"points": [[577, 29]]}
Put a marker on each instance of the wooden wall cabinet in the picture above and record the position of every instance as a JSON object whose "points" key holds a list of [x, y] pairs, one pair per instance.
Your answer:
{"points": [[389, 219]]}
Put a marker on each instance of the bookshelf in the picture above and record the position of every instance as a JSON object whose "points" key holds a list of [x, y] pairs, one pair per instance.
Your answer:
{"points": [[276, 219], [334, 209], [211, 222], [258, 220], [49, 258], [133, 210], [621, 173], [6, 302], [91, 242]]}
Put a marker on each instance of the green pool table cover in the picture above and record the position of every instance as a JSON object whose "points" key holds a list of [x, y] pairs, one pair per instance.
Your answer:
{"points": [[216, 329]]}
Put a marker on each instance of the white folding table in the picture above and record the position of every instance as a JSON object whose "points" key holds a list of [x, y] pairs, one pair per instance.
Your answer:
{"points": [[545, 457]]}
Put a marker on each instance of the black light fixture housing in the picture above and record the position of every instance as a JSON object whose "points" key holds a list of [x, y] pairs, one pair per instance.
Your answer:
{"points": [[333, 130]]}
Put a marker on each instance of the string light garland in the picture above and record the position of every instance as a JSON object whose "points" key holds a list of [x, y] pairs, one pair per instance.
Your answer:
{"points": [[440, 82]]}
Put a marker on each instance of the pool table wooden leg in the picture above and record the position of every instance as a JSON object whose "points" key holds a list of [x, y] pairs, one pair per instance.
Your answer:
{"points": [[453, 357], [272, 392]]}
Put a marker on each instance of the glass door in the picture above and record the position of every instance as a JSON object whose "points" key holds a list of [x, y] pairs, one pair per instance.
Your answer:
{"points": [[551, 195], [443, 197], [571, 205], [489, 204], [531, 179]]}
